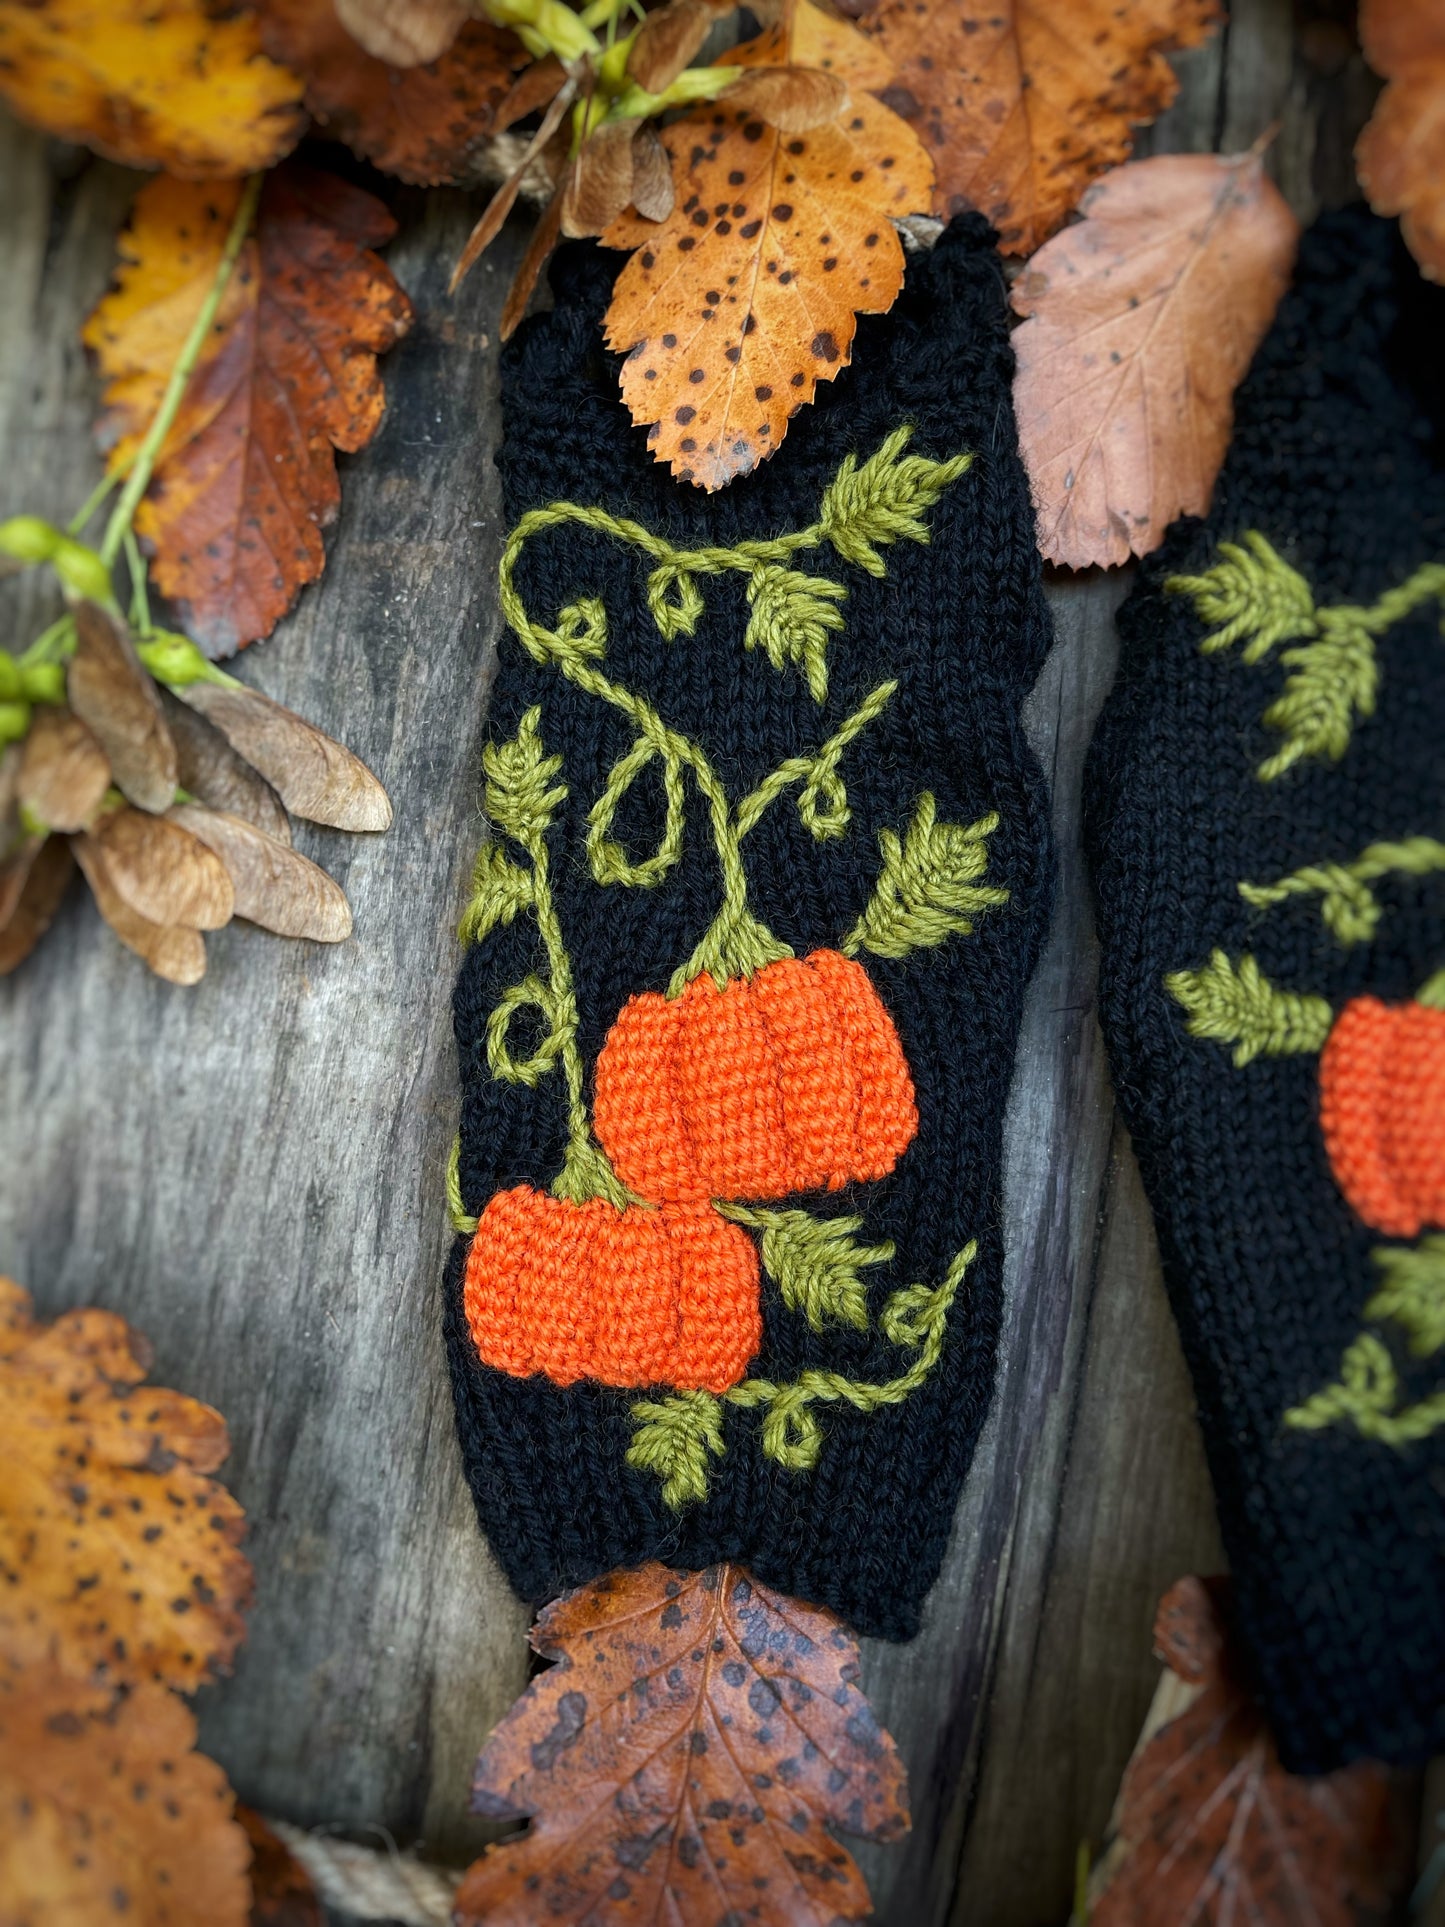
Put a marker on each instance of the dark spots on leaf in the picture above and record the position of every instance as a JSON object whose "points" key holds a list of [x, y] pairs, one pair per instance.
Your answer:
{"points": [[830, 263], [733, 354], [669, 341], [697, 1745], [763, 393], [700, 218], [824, 346], [753, 130], [649, 259], [688, 445], [683, 416], [749, 229], [686, 244], [785, 277], [724, 227], [870, 240], [565, 1732], [736, 178], [797, 380], [696, 376], [797, 147], [671, 1617]]}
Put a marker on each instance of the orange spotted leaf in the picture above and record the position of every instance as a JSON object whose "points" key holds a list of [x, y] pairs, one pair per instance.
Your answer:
{"points": [[1400, 156], [686, 1759], [733, 318], [1023, 102], [247, 479], [154, 83]]}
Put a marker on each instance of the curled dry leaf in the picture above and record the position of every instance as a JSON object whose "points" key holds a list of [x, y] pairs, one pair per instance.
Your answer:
{"points": [[64, 772], [684, 1761], [792, 99], [666, 42], [213, 772], [246, 480], [544, 239], [47, 875], [653, 194], [175, 953], [112, 693], [429, 125], [403, 33], [274, 885], [489, 226], [282, 1893], [730, 319], [1023, 104], [163, 872], [1400, 156], [599, 182], [1143, 317], [153, 83], [314, 776], [1209, 1827]]}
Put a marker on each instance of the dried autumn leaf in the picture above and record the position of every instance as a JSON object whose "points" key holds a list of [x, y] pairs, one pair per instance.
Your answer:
{"points": [[15, 867], [1400, 156], [429, 125], [599, 184], [174, 952], [120, 1554], [246, 479], [403, 33], [112, 693], [275, 886], [544, 239], [1024, 102], [108, 1814], [31, 915], [653, 194], [684, 1761], [1210, 1827], [210, 770], [314, 776], [1144, 316], [792, 99], [64, 772], [733, 318], [163, 872], [282, 1894], [153, 83], [489, 224]]}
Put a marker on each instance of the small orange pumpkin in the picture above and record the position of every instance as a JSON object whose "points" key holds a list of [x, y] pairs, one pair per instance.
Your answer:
{"points": [[632, 1297], [791, 1080], [1382, 1112]]}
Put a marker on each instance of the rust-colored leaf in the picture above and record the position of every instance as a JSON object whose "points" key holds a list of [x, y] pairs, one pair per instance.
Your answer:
{"points": [[120, 1553], [247, 477], [163, 872], [274, 886], [1144, 316], [684, 1761], [64, 772], [282, 1894], [792, 99], [1400, 156], [1024, 102], [314, 776], [215, 774], [107, 1812], [429, 124], [112, 693], [489, 224], [154, 83], [403, 33], [46, 876], [733, 318], [173, 951], [1210, 1828], [544, 239]]}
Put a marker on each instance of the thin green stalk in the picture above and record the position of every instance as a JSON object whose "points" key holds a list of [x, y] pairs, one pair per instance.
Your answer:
{"points": [[140, 603], [97, 495], [140, 475]]}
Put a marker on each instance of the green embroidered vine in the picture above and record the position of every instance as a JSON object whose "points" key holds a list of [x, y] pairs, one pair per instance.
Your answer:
{"points": [[1368, 1393], [1347, 904]]}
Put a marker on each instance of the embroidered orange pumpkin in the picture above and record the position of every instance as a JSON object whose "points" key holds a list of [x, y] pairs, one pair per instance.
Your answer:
{"points": [[1382, 1112], [792, 1080], [632, 1297]]}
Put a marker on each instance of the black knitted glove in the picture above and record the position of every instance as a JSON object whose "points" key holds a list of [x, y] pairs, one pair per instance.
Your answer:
{"points": [[1265, 797], [747, 960]]}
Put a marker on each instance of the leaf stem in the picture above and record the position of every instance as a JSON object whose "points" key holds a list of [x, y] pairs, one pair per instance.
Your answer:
{"points": [[145, 459]]}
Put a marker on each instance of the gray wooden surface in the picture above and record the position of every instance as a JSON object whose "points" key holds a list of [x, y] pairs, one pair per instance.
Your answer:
{"points": [[251, 1170]]}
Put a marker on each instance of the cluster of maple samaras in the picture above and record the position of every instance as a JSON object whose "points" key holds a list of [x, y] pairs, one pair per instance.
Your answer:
{"points": [[792, 1080]]}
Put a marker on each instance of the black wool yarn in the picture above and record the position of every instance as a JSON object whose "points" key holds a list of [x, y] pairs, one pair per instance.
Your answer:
{"points": [[1265, 808], [768, 870]]}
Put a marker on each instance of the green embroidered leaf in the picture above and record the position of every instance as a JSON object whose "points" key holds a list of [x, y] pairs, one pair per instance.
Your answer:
{"points": [[1253, 595], [1237, 1004], [517, 798], [674, 599], [673, 1439], [1332, 683], [884, 501], [927, 890], [500, 888], [815, 1263], [792, 617], [1413, 1292], [1368, 1396]]}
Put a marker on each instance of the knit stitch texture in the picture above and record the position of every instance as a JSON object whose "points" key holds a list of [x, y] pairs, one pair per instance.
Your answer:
{"points": [[1264, 801], [787, 1109]]}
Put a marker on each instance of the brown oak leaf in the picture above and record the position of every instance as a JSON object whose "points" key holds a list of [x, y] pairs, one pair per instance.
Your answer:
{"points": [[1023, 102], [1400, 156], [246, 480], [684, 1760]]}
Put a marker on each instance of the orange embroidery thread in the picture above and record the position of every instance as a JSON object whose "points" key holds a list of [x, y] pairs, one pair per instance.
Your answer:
{"points": [[792, 1080], [1382, 1112]]}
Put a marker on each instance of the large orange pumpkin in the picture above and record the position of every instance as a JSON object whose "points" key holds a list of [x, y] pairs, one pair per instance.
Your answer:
{"points": [[632, 1297], [1382, 1111], [792, 1080]]}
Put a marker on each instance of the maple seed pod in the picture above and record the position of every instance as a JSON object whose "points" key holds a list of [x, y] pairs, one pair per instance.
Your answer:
{"points": [[794, 1080], [631, 1297], [1382, 1113]]}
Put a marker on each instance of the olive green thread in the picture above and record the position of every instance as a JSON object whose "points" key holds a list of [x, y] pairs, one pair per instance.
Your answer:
{"points": [[1348, 906], [1229, 1003], [884, 500], [462, 1219], [815, 1263], [792, 619], [1368, 1397], [1413, 1292], [928, 888], [1432, 992], [674, 1438], [1253, 595]]}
